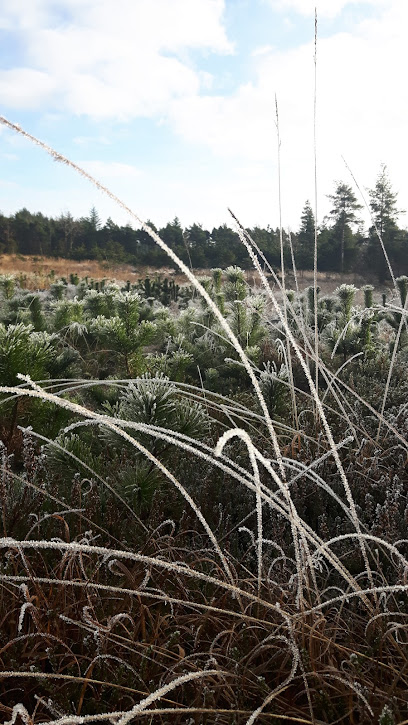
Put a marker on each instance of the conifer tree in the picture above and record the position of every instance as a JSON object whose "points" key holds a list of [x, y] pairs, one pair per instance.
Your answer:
{"points": [[345, 206], [383, 205], [305, 247]]}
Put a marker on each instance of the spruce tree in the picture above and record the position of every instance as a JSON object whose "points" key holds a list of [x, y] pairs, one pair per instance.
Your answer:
{"points": [[305, 245], [383, 205], [345, 206]]}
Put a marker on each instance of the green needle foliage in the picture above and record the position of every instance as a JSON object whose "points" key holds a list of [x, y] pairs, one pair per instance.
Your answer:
{"points": [[21, 348]]}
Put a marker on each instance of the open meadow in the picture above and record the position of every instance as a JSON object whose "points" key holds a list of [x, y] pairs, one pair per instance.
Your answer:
{"points": [[38, 273]]}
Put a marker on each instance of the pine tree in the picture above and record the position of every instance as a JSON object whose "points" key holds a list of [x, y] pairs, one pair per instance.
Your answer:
{"points": [[91, 226], [383, 201], [306, 235], [345, 206], [383, 205], [94, 219]]}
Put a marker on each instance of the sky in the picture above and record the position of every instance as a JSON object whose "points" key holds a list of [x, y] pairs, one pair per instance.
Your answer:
{"points": [[171, 104]]}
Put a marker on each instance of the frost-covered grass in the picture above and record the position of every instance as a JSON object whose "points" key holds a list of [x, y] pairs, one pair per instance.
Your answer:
{"points": [[216, 533]]}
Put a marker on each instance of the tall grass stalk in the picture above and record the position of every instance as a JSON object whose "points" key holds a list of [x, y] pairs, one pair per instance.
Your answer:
{"points": [[316, 332], [282, 258], [142, 593], [301, 317], [243, 435]]}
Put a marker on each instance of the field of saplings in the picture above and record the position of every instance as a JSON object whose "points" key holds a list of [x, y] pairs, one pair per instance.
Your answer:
{"points": [[203, 502]]}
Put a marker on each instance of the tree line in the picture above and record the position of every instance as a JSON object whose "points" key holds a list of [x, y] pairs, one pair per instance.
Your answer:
{"points": [[343, 244]]}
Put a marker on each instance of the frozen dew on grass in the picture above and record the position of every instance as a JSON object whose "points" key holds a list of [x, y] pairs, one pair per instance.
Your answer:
{"points": [[292, 599]]}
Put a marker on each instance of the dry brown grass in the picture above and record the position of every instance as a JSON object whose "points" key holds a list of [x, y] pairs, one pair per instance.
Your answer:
{"points": [[329, 281], [37, 272]]}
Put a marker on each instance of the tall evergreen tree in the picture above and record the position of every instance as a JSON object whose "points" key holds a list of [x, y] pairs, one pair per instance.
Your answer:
{"points": [[305, 238], [383, 205], [94, 219], [383, 201], [343, 212], [91, 226]]}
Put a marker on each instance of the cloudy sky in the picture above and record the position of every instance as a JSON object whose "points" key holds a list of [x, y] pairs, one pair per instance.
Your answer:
{"points": [[171, 103]]}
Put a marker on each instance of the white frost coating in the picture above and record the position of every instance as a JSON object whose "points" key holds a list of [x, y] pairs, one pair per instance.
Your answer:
{"points": [[228, 435]]}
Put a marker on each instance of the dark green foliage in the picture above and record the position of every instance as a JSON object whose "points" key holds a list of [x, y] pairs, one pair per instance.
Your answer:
{"points": [[7, 285], [368, 290], [164, 290], [339, 246], [272, 382], [344, 214], [306, 239], [157, 402], [23, 350], [383, 205], [36, 312], [402, 283]]}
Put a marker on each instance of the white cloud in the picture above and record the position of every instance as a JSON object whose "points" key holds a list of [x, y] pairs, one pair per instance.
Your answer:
{"points": [[26, 88], [21, 14], [262, 50], [325, 8], [8, 156], [4, 184], [106, 170], [90, 140], [111, 61]]}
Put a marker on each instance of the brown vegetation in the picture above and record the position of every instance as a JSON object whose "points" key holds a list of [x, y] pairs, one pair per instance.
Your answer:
{"points": [[39, 272]]}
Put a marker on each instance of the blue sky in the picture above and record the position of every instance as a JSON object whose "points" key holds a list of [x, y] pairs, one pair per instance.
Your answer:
{"points": [[171, 104]]}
